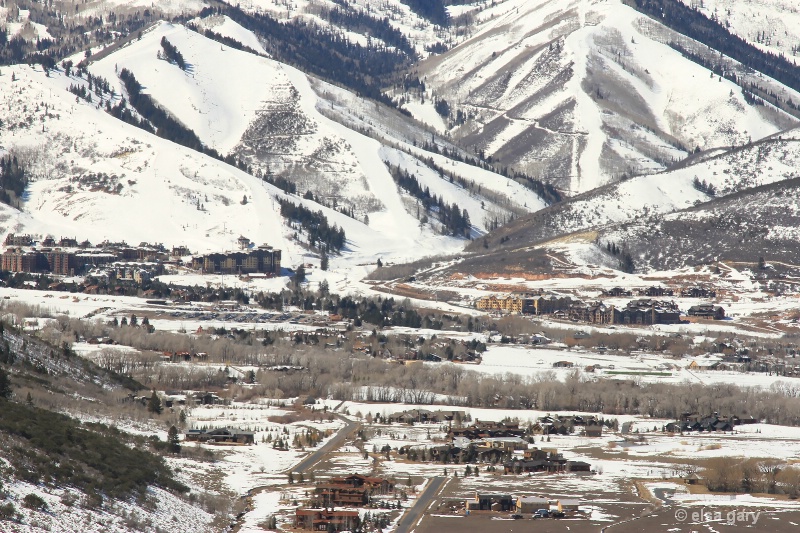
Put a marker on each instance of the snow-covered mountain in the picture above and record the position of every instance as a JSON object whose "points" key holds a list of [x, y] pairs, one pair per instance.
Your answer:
{"points": [[717, 207], [96, 177], [772, 26], [585, 92], [583, 95]]}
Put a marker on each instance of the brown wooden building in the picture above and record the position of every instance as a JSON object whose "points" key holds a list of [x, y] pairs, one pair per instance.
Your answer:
{"points": [[264, 259], [326, 520]]}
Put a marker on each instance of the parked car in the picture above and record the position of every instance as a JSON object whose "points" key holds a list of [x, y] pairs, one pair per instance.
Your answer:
{"points": [[557, 514], [541, 513]]}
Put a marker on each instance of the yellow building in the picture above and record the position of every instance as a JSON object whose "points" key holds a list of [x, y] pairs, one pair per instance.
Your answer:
{"points": [[506, 304]]}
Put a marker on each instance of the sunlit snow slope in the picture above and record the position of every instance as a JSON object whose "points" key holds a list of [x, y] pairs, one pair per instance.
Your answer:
{"points": [[582, 93], [95, 177]]}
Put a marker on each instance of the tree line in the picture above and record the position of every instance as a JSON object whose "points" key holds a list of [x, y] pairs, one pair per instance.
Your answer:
{"points": [[166, 126], [362, 22], [321, 234], [546, 191], [324, 53], [455, 221], [224, 39], [693, 23], [13, 180], [172, 54]]}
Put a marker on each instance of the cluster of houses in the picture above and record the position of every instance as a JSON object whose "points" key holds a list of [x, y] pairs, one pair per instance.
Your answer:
{"points": [[68, 256], [507, 444], [588, 426], [485, 429], [657, 291], [170, 399], [644, 311], [419, 416], [355, 490], [708, 423], [410, 356], [183, 356], [522, 505]]}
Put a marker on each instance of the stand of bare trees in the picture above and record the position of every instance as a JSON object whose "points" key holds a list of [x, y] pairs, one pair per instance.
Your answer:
{"points": [[738, 474], [312, 368]]}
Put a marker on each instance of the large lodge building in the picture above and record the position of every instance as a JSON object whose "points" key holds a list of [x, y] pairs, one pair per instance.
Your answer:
{"points": [[640, 311], [263, 259]]}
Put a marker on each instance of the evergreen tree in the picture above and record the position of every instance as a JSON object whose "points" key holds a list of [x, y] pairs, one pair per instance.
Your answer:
{"points": [[154, 405], [173, 441], [5, 385], [300, 275]]}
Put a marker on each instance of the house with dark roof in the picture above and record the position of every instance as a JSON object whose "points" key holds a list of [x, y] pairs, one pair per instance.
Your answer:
{"points": [[593, 429], [646, 311], [710, 311], [221, 436]]}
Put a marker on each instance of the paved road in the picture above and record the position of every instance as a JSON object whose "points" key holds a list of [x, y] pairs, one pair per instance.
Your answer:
{"points": [[318, 455], [312, 459], [412, 516]]}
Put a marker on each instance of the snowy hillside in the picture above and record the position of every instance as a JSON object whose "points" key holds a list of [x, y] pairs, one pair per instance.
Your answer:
{"points": [[642, 212], [420, 32], [772, 25], [585, 94], [759, 164], [758, 223], [95, 177]]}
